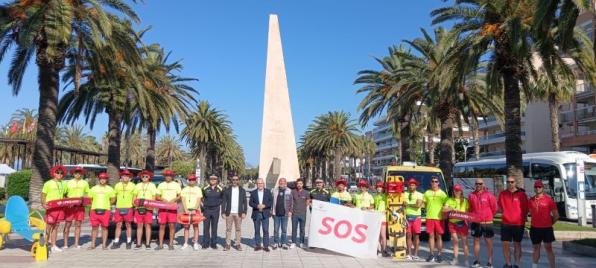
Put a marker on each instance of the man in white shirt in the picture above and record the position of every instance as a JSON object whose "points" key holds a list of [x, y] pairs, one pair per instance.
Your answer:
{"points": [[261, 201], [233, 210]]}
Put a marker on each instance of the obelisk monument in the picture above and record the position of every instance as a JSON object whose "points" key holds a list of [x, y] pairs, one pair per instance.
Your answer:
{"points": [[278, 157]]}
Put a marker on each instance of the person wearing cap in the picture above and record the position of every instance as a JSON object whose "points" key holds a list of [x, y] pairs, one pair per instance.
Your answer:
{"points": [[544, 214], [191, 197], [168, 192], [233, 211], [514, 212], [77, 187], [414, 218], [102, 196], [363, 199], [54, 189], [341, 195], [145, 190], [213, 197], [124, 192], [299, 203], [458, 228], [380, 204], [434, 199], [484, 205], [319, 192], [281, 210]]}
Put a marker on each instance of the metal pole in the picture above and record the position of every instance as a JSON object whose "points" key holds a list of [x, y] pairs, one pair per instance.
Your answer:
{"points": [[594, 215]]}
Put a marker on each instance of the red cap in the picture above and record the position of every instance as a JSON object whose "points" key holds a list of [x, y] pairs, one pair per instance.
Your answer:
{"points": [[191, 177], [457, 188], [538, 183], [125, 172], [146, 172], [56, 168], [103, 176], [168, 172], [380, 184], [412, 181], [77, 169], [363, 182], [341, 181]]}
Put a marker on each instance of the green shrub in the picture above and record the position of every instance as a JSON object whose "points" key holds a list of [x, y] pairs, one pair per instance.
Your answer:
{"points": [[183, 168], [18, 184], [2, 193]]}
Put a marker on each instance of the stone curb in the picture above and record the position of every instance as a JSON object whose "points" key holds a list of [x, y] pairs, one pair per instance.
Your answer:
{"points": [[579, 249]]}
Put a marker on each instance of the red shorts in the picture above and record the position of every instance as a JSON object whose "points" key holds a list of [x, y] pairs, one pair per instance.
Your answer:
{"points": [[128, 217], [414, 226], [54, 215], [434, 226], [74, 214], [167, 216], [147, 218], [455, 229], [97, 220]]}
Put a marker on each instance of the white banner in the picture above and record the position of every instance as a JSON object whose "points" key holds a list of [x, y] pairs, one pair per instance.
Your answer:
{"points": [[345, 230]]}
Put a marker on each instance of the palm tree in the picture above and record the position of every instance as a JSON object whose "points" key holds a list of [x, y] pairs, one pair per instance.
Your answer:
{"points": [[204, 128], [168, 150], [170, 95], [25, 121], [335, 132], [50, 30], [440, 72], [382, 88], [231, 156], [75, 137]]}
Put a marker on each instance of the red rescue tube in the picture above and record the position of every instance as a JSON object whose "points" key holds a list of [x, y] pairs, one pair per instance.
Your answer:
{"points": [[464, 216], [69, 202], [155, 204], [194, 217]]}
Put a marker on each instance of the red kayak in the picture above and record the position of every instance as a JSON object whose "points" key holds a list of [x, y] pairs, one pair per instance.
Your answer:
{"points": [[464, 216], [190, 218], [69, 202], [155, 204]]}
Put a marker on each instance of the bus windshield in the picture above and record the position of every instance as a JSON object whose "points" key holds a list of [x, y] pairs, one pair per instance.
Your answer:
{"points": [[589, 185], [423, 178]]}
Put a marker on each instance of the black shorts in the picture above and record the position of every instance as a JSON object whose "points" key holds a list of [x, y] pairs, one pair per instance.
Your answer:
{"points": [[513, 233], [539, 235], [479, 230]]}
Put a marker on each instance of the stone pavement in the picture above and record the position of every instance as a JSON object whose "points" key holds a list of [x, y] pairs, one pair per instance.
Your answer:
{"points": [[16, 254]]}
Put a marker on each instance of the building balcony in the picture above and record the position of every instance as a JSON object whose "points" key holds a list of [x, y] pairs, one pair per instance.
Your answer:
{"points": [[487, 123], [383, 137], [496, 138], [383, 157], [393, 145], [490, 154], [582, 114]]}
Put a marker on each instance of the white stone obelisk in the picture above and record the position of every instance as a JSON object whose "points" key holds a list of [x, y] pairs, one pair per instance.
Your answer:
{"points": [[278, 157]]}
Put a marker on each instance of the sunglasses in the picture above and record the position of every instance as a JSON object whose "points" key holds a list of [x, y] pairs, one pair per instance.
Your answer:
{"points": [[540, 187], [479, 183], [510, 181], [435, 181]]}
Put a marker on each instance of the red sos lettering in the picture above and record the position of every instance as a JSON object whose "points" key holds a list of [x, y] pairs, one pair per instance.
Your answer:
{"points": [[343, 229]]}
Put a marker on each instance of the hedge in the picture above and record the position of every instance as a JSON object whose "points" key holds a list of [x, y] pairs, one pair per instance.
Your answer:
{"points": [[18, 184]]}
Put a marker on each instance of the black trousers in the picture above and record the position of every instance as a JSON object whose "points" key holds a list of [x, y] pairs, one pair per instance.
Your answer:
{"points": [[211, 215]]}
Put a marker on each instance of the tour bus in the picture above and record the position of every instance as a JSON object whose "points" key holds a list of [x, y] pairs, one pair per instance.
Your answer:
{"points": [[557, 170], [423, 175]]}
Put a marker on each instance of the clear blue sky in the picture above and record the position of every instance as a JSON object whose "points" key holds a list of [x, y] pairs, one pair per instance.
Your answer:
{"points": [[223, 44]]}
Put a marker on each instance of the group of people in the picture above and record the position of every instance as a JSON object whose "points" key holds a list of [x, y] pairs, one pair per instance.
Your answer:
{"points": [[284, 204], [513, 204]]}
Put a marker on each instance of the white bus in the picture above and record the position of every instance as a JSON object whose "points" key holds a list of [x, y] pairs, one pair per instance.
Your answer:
{"points": [[557, 170]]}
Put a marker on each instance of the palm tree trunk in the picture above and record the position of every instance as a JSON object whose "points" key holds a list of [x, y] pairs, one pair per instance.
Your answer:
{"points": [[513, 142], [43, 150], [336, 163], [202, 159], [474, 126], [114, 139], [553, 106], [431, 148], [447, 117], [150, 157], [404, 136]]}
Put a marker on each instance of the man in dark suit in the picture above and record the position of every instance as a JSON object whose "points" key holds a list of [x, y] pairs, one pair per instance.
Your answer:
{"points": [[233, 211], [261, 201]]}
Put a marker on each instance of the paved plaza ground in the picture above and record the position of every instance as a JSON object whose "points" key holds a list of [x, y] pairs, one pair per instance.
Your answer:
{"points": [[17, 255]]}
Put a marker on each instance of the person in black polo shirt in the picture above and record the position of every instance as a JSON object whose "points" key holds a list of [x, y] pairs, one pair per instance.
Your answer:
{"points": [[212, 195], [319, 193]]}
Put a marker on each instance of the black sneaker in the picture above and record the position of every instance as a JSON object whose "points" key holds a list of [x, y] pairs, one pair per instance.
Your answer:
{"points": [[128, 245], [489, 265], [430, 258], [476, 264], [115, 246], [137, 247], [439, 259], [147, 247], [284, 246], [204, 247], [274, 246], [514, 266]]}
